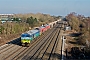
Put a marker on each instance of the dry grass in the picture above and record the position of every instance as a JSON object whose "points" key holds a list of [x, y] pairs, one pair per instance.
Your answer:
{"points": [[6, 38]]}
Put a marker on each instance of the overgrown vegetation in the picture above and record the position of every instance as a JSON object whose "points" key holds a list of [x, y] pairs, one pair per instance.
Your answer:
{"points": [[80, 24], [32, 22]]}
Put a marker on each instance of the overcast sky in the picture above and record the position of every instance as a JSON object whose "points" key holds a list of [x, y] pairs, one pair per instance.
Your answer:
{"points": [[52, 7]]}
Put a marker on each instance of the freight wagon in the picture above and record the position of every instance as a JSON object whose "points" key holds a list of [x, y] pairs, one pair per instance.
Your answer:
{"points": [[47, 26], [41, 29], [52, 24]]}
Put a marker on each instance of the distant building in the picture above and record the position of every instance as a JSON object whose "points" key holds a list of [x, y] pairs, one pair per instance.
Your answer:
{"points": [[6, 17], [67, 28]]}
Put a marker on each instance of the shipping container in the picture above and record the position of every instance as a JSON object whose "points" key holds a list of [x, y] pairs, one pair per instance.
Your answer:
{"points": [[47, 26], [42, 29]]}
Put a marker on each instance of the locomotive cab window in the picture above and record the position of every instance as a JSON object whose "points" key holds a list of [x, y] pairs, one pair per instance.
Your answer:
{"points": [[25, 35]]}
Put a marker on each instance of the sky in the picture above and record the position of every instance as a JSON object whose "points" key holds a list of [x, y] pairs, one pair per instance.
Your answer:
{"points": [[52, 7]]}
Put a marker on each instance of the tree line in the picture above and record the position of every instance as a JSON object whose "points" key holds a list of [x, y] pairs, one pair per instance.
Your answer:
{"points": [[80, 24]]}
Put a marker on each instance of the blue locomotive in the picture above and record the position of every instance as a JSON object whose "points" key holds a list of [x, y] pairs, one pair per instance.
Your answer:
{"points": [[27, 37]]}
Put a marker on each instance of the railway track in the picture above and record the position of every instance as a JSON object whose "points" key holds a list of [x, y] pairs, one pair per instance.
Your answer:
{"points": [[6, 47], [43, 47], [49, 51], [9, 44]]}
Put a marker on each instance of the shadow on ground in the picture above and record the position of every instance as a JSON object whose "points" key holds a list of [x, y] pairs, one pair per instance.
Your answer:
{"points": [[78, 53], [72, 42], [75, 34], [15, 41]]}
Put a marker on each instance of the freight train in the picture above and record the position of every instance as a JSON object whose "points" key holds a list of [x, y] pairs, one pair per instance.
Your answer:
{"points": [[27, 37]]}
